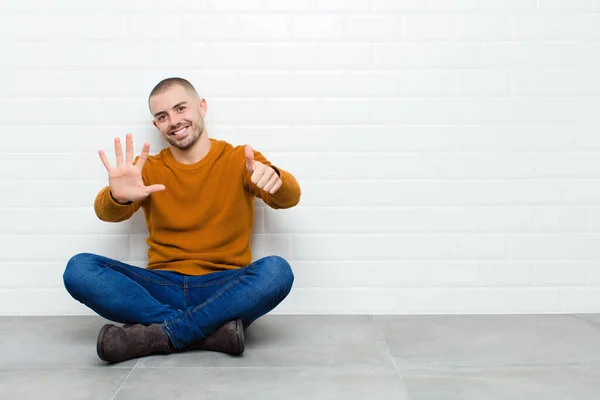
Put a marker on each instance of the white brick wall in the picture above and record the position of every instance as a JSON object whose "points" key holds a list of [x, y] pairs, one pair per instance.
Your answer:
{"points": [[447, 149]]}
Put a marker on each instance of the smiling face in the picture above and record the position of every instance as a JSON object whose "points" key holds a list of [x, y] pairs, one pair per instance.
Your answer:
{"points": [[179, 115]]}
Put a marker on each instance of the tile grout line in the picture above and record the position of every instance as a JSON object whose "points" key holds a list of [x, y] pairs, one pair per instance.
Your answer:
{"points": [[125, 380], [390, 355]]}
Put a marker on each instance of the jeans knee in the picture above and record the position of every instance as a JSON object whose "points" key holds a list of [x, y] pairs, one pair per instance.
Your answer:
{"points": [[74, 275], [280, 269]]}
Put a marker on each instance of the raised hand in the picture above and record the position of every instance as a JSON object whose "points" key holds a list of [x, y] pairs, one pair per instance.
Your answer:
{"points": [[263, 176], [125, 180]]}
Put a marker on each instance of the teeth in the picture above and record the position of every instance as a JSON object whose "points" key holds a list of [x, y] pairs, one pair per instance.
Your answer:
{"points": [[177, 132]]}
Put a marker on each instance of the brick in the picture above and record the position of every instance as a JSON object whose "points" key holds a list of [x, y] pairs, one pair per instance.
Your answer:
{"points": [[157, 27], [566, 6], [533, 301], [506, 219], [557, 27], [510, 55], [345, 5], [52, 302], [211, 26], [507, 273], [580, 300], [62, 27], [378, 27], [236, 5], [568, 55], [484, 27], [401, 6], [358, 220], [521, 192], [264, 27], [430, 27], [553, 246], [323, 27], [348, 274], [509, 6], [397, 246], [561, 274], [32, 275], [483, 83], [61, 247], [290, 5], [454, 6]]}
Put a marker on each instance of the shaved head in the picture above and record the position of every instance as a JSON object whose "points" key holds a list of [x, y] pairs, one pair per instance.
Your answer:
{"points": [[166, 84]]}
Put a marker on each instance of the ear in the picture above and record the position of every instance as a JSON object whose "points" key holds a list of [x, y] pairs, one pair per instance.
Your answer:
{"points": [[202, 107], [154, 123]]}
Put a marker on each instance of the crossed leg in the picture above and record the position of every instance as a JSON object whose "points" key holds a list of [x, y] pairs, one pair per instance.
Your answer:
{"points": [[188, 308]]}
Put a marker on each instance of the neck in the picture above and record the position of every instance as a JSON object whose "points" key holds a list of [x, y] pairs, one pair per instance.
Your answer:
{"points": [[195, 153]]}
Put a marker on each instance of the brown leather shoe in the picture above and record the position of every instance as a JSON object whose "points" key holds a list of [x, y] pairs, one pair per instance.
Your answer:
{"points": [[229, 339], [116, 344]]}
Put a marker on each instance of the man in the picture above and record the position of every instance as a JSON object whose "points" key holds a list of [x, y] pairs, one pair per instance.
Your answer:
{"points": [[199, 290]]}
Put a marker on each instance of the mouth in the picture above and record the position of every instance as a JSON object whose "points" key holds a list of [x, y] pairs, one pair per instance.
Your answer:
{"points": [[179, 133]]}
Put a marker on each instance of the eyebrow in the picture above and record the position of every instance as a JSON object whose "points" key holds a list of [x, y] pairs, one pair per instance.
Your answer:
{"points": [[172, 108]]}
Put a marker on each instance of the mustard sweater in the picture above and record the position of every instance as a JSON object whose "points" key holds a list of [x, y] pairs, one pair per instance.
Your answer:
{"points": [[202, 222]]}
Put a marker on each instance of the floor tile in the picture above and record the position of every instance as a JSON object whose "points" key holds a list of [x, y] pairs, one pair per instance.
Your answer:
{"points": [[263, 383], [501, 383], [52, 342], [60, 384], [592, 318], [491, 339], [295, 341]]}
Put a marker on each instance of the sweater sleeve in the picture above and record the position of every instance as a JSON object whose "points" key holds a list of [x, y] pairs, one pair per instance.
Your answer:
{"points": [[107, 209], [288, 194]]}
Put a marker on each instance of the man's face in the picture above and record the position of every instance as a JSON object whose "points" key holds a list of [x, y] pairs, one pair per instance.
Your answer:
{"points": [[179, 116]]}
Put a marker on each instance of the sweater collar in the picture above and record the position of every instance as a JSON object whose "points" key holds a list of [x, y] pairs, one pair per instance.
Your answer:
{"points": [[216, 148]]}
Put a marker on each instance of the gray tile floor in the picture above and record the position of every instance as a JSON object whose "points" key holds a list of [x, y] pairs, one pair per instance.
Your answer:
{"points": [[319, 357]]}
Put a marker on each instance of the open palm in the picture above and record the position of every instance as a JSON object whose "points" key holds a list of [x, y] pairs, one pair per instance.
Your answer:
{"points": [[125, 180]]}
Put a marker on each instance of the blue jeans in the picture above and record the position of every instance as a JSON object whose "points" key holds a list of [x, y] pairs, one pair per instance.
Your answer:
{"points": [[188, 307]]}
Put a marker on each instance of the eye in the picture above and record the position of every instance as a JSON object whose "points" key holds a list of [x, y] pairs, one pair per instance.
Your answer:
{"points": [[181, 108], [161, 117]]}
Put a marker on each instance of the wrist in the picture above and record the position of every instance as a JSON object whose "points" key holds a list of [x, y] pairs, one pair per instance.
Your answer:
{"points": [[117, 200]]}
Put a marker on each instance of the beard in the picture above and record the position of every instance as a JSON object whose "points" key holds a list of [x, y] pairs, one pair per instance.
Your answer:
{"points": [[195, 130]]}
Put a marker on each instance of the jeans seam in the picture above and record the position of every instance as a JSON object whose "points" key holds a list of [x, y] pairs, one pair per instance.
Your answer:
{"points": [[185, 291], [187, 313], [162, 283], [171, 336], [197, 285]]}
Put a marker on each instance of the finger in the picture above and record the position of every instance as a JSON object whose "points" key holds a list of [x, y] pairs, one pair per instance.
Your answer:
{"points": [[143, 155], [264, 179], [249, 159], [119, 152], [105, 160], [271, 183], [276, 187], [256, 176], [128, 148], [154, 188]]}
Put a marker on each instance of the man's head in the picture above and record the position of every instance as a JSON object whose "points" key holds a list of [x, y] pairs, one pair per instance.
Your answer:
{"points": [[178, 112]]}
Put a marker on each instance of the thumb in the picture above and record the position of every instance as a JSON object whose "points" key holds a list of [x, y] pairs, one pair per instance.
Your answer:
{"points": [[154, 188], [249, 159]]}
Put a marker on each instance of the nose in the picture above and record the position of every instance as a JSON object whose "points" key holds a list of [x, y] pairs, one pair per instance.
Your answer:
{"points": [[175, 121]]}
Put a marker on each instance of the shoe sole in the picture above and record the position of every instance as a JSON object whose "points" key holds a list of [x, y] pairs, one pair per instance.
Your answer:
{"points": [[240, 336], [99, 342]]}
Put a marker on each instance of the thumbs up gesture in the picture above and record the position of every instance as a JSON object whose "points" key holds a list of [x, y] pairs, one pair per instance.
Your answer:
{"points": [[263, 176]]}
